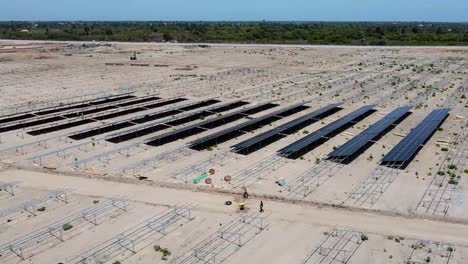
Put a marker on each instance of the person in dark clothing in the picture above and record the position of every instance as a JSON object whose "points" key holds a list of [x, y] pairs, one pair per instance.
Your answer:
{"points": [[261, 207]]}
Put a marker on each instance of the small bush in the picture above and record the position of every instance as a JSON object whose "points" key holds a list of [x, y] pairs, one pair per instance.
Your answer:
{"points": [[364, 237], [453, 181], [165, 252], [67, 226]]}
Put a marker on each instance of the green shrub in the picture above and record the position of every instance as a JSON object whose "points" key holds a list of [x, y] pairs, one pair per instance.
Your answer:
{"points": [[67, 226], [165, 252]]}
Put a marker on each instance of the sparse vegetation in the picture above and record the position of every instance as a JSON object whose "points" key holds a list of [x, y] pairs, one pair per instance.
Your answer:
{"points": [[67, 227], [165, 252]]}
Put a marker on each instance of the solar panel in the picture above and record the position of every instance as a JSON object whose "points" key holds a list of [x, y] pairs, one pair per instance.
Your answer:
{"points": [[205, 125], [189, 117], [408, 147], [355, 145], [304, 145], [240, 129], [257, 142]]}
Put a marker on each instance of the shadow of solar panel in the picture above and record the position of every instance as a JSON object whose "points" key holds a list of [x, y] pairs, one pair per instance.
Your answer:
{"points": [[359, 143], [306, 144], [253, 144], [402, 154]]}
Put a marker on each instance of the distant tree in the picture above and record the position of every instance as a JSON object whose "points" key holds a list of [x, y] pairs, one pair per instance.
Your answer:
{"points": [[379, 31], [109, 31], [167, 36], [86, 29]]}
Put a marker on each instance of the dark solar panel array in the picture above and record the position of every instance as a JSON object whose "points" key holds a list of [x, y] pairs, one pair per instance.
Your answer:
{"points": [[306, 144], [61, 108], [139, 132], [355, 146], [204, 125], [128, 123], [117, 113], [408, 147], [57, 117], [253, 144], [245, 127]]}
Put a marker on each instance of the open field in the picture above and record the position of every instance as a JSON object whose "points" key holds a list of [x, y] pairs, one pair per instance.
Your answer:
{"points": [[359, 155]]}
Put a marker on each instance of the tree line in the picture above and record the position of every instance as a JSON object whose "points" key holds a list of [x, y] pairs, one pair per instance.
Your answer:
{"points": [[338, 33]]}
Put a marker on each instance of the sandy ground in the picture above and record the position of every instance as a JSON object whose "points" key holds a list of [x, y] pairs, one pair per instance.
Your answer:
{"points": [[414, 214]]}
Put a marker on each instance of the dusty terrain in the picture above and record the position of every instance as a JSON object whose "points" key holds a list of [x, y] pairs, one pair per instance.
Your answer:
{"points": [[317, 210]]}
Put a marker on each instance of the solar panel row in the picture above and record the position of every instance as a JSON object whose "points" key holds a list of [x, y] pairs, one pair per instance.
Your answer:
{"points": [[240, 129], [61, 108], [304, 145], [355, 145], [408, 147], [205, 125], [153, 128], [250, 145]]}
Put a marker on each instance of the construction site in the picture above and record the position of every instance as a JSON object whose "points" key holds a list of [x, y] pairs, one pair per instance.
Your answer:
{"points": [[152, 153]]}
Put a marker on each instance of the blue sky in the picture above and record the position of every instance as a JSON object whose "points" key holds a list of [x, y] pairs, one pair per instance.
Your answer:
{"points": [[298, 10]]}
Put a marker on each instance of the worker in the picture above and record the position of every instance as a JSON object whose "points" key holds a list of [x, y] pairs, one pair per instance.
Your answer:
{"points": [[246, 194], [241, 205], [261, 207]]}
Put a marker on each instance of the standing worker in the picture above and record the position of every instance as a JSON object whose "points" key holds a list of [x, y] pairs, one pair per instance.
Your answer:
{"points": [[261, 207]]}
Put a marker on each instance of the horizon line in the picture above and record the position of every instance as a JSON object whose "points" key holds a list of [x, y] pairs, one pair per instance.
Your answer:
{"points": [[247, 21]]}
